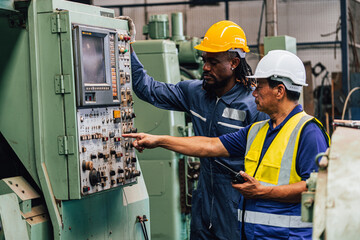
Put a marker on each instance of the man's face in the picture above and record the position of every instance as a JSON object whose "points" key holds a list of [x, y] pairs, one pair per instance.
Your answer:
{"points": [[265, 96], [217, 69]]}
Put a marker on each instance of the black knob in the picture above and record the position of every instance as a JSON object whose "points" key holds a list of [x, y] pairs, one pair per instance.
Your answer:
{"points": [[92, 156], [112, 172], [133, 159], [100, 155], [94, 177], [136, 173], [120, 170]]}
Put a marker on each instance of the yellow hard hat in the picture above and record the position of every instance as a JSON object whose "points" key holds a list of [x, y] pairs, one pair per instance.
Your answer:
{"points": [[222, 36]]}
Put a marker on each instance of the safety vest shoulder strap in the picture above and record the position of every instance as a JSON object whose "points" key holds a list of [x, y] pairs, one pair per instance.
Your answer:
{"points": [[253, 131], [254, 155]]}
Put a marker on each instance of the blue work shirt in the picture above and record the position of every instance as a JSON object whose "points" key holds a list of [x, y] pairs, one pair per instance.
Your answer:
{"points": [[311, 142], [214, 202]]}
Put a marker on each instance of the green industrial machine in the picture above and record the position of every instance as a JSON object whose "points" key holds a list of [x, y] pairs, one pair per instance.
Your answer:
{"points": [[166, 173], [280, 42], [65, 101]]}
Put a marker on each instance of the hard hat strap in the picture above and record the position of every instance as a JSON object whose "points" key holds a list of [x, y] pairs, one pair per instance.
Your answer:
{"points": [[288, 83], [241, 52]]}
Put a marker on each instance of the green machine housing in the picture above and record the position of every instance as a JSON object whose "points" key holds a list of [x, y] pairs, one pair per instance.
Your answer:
{"points": [[65, 101]]}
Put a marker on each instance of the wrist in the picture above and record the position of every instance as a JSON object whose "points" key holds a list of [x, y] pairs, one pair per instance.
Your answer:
{"points": [[265, 192], [160, 141]]}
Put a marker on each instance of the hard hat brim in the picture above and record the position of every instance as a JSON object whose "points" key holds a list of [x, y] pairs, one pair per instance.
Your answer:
{"points": [[267, 76], [207, 49]]}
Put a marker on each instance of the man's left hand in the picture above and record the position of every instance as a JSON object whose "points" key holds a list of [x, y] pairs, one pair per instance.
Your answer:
{"points": [[251, 188], [131, 25]]}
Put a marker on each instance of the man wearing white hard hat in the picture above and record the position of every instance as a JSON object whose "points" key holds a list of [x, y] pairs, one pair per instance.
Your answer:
{"points": [[279, 153]]}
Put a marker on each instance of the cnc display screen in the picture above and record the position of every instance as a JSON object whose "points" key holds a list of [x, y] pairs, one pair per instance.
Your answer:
{"points": [[93, 59]]}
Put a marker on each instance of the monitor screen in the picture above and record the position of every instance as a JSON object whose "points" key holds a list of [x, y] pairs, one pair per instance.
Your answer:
{"points": [[93, 60]]}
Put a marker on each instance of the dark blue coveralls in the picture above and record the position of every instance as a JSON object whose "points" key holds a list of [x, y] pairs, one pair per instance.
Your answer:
{"points": [[214, 202]]}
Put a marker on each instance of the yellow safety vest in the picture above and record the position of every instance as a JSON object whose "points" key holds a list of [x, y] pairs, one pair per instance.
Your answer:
{"points": [[278, 165]]}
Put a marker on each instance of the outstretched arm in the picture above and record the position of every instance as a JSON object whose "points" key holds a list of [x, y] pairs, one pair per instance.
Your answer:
{"points": [[252, 189], [192, 146]]}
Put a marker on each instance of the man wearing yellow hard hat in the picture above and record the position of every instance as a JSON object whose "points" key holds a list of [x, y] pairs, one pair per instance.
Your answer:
{"points": [[220, 103]]}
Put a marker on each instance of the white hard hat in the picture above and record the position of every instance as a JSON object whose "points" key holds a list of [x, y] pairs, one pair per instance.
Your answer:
{"points": [[282, 66]]}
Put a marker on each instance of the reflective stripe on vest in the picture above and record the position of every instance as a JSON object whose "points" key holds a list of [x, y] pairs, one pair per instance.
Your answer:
{"points": [[275, 220], [278, 164]]}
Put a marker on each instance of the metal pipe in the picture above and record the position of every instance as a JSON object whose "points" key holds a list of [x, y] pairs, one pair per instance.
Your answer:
{"points": [[308, 44], [160, 4], [177, 30], [226, 9], [271, 18], [344, 46]]}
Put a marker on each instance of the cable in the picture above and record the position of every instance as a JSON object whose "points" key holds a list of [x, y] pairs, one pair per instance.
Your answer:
{"points": [[142, 221], [320, 97], [260, 24], [144, 231], [144, 217], [346, 101]]}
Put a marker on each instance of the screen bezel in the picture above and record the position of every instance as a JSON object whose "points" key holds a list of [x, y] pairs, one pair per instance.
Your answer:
{"points": [[103, 97]]}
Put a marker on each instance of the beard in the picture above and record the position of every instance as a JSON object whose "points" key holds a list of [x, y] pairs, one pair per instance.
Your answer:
{"points": [[211, 88]]}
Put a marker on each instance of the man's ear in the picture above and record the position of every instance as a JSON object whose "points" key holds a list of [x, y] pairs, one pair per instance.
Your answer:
{"points": [[235, 62], [281, 91]]}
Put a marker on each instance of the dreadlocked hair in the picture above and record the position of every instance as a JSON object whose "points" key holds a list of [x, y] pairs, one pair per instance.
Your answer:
{"points": [[243, 70]]}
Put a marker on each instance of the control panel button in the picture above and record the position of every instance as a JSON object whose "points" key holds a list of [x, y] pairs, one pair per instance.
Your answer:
{"points": [[94, 177], [86, 189], [87, 165]]}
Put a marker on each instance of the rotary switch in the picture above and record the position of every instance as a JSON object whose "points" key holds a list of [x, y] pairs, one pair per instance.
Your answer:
{"points": [[87, 165], [94, 177]]}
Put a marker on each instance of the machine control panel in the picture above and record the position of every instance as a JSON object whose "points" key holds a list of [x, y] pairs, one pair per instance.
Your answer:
{"points": [[107, 160]]}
